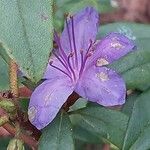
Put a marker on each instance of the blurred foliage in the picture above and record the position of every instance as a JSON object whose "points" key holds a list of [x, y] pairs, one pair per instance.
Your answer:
{"points": [[63, 7]]}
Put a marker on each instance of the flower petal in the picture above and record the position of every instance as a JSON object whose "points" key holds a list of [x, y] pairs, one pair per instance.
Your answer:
{"points": [[51, 72], [102, 85], [111, 48], [46, 101], [85, 29]]}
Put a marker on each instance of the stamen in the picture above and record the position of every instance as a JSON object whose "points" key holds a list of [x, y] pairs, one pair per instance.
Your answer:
{"points": [[82, 57], [61, 61], [74, 42], [57, 39], [71, 55], [88, 54], [50, 63], [69, 36]]}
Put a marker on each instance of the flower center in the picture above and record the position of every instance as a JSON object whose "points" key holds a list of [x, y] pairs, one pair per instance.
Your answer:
{"points": [[74, 63]]}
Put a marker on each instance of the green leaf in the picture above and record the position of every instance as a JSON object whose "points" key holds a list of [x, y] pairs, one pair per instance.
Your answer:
{"points": [[141, 38], [128, 106], [4, 78], [76, 6], [26, 32], [109, 124], [130, 61], [4, 54], [63, 7], [80, 103], [24, 103], [58, 134], [83, 134], [137, 76], [138, 131], [4, 142]]}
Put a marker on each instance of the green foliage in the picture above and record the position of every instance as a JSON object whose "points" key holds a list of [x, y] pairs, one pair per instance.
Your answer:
{"points": [[7, 105], [137, 76], [107, 124], [4, 80], [138, 131], [132, 30], [127, 108], [15, 144], [63, 7], [4, 142], [26, 33], [58, 134], [84, 135]]}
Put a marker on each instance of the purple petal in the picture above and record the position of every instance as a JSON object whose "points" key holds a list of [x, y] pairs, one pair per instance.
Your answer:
{"points": [[111, 48], [46, 101], [51, 72], [85, 29], [102, 85]]}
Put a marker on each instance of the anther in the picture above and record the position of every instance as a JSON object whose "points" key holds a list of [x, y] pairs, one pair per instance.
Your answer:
{"points": [[71, 54]]}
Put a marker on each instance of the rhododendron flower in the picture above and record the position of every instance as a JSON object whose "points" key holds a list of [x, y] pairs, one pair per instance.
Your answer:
{"points": [[79, 64]]}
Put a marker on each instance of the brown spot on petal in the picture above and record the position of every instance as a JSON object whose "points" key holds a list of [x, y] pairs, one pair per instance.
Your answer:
{"points": [[102, 76], [116, 44], [101, 62], [32, 113]]}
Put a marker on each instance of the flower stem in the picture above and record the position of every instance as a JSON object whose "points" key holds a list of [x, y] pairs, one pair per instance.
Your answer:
{"points": [[13, 68], [13, 79], [27, 139], [106, 147]]}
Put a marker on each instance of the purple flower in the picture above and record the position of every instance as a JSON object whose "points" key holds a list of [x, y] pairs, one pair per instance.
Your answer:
{"points": [[78, 64]]}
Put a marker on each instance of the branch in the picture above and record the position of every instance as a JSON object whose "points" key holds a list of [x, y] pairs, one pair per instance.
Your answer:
{"points": [[27, 139], [106, 147]]}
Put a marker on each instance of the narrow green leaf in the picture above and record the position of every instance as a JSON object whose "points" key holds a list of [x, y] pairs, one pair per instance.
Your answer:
{"points": [[138, 131], [58, 134], [3, 54], [26, 32], [109, 124], [4, 78]]}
